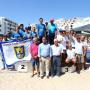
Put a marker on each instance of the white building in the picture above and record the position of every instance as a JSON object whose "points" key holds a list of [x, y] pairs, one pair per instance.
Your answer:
{"points": [[68, 24], [7, 25]]}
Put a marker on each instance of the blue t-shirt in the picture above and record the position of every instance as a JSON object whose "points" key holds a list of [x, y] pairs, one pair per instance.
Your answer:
{"points": [[27, 35], [41, 30], [21, 32], [51, 29], [33, 34], [16, 35]]}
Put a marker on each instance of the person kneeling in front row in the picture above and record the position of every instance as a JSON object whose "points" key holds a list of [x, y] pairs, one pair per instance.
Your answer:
{"points": [[71, 55]]}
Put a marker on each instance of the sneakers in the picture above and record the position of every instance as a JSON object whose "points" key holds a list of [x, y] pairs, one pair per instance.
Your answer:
{"points": [[42, 77], [78, 72], [47, 77], [32, 75], [38, 75]]}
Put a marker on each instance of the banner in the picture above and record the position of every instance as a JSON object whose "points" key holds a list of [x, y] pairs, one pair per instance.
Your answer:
{"points": [[16, 51]]}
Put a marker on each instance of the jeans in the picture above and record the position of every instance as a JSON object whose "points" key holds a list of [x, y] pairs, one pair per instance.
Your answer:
{"points": [[35, 62], [55, 66]]}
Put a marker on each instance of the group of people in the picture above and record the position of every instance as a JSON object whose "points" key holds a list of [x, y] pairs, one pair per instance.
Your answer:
{"points": [[52, 48], [49, 58]]}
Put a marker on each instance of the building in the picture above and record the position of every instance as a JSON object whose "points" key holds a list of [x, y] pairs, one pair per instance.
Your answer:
{"points": [[7, 25], [69, 24]]}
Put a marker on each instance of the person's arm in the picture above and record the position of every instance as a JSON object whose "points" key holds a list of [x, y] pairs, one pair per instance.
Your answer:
{"points": [[39, 53], [84, 50], [37, 27], [61, 51], [31, 51], [56, 31], [51, 54]]}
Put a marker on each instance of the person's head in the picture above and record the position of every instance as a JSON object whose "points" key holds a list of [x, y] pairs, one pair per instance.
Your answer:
{"points": [[78, 38], [51, 21], [35, 40], [27, 30], [82, 38], [41, 20], [55, 42], [67, 33], [64, 33], [71, 32], [74, 35], [46, 23], [21, 26], [44, 40], [60, 31], [33, 28], [70, 46]]}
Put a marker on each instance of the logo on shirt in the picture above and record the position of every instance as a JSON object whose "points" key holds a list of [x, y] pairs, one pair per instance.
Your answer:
{"points": [[19, 51]]}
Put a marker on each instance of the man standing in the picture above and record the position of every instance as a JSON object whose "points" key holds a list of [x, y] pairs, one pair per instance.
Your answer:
{"points": [[41, 30], [79, 54], [56, 51], [84, 43], [44, 55], [34, 55], [52, 28]]}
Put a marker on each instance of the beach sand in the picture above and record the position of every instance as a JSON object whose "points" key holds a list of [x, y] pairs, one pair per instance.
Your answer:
{"points": [[12, 80]]}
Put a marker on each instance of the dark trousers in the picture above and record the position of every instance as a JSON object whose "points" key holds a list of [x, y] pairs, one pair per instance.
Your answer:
{"points": [[55, 65], [51, 39], [40, 39]]}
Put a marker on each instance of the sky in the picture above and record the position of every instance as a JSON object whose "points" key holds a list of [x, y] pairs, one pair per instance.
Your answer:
{"points": [[29, 11]]}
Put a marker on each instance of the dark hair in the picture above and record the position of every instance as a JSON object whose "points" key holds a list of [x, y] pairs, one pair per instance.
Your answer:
{"points": [[29, 27], [46, 23], [21, 24], [40, 18]]}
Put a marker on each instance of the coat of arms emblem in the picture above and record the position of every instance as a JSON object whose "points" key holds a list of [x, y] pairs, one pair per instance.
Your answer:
{"points": [[19, 51]]}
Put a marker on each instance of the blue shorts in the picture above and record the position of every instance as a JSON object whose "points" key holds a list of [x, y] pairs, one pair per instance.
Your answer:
{"points": [[35, 62]]}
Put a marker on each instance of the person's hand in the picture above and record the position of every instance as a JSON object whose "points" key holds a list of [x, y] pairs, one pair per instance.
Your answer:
{"points": [[35, 57], [40, 59]]}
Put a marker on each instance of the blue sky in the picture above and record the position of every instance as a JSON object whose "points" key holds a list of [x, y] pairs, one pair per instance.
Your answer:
{"points": [[29, 11]]}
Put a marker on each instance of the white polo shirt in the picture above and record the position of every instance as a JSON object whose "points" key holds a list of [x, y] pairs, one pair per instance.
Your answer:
{"points": [[78, 48], [56, 50], [70, 53]]}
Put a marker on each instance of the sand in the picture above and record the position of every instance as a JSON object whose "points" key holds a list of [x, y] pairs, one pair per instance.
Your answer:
{"points": [[12, 80]]}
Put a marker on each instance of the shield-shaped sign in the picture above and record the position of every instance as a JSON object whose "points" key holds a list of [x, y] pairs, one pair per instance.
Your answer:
{"points": [[19, 51]]}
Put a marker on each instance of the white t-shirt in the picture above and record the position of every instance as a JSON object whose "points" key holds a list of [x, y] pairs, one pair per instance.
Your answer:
{"points": [[78, 48], [71, 53], [84, 44], [56, 50], [59, 37], [65, 39]]}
